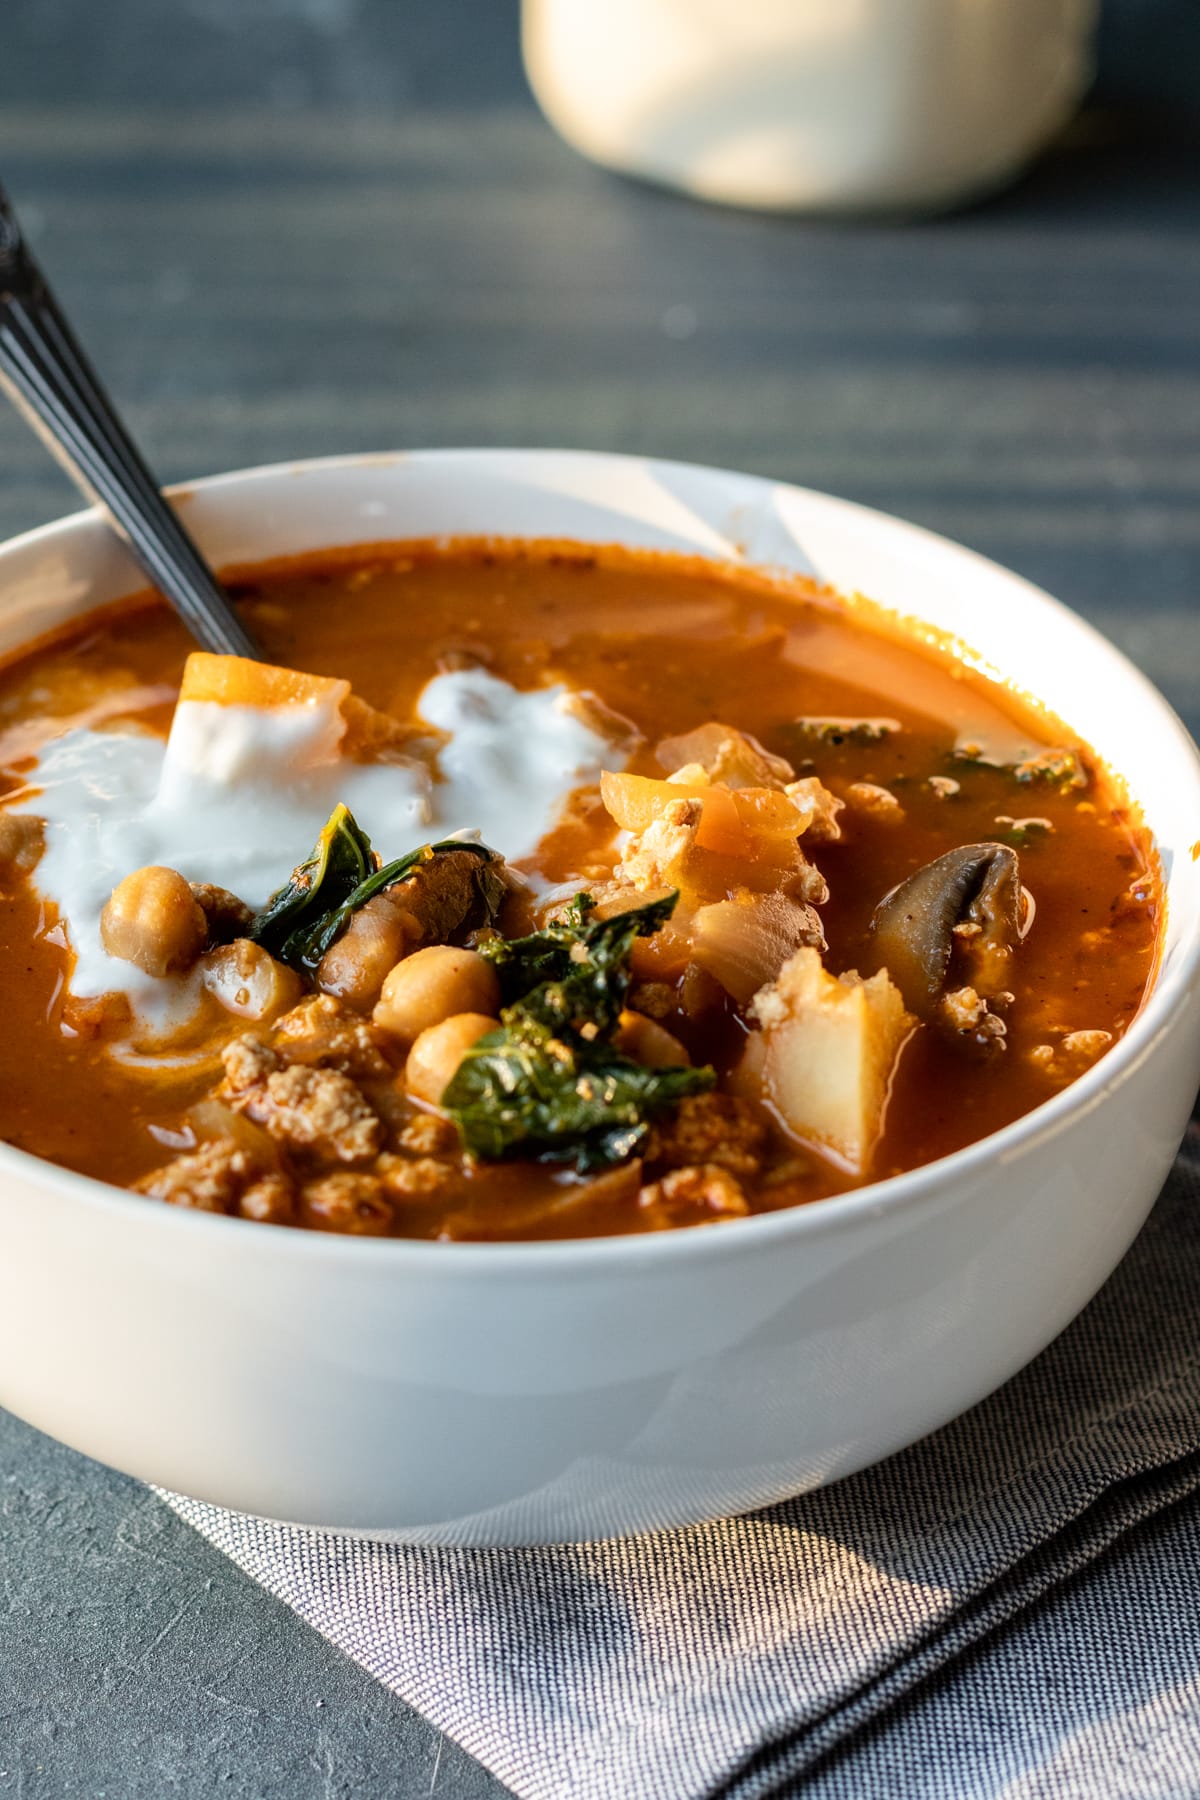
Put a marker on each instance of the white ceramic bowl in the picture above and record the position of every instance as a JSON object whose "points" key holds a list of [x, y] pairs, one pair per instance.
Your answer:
{"points": [[520, 1393]]}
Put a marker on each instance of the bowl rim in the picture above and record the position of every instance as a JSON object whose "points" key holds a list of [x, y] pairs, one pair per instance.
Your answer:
{"points": [[929, 1182]]}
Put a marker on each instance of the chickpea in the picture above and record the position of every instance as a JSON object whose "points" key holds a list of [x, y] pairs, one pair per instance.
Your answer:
{"points": [[432, 985], [152, 919], [434, 1058], [248, 981], [649, 1043]]}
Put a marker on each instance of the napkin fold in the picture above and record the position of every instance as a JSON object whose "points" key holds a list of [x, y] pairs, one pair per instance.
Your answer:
{"points": [[744, 1659]]}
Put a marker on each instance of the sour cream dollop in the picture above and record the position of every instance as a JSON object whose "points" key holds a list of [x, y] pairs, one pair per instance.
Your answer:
{"points": [[236, 795]]}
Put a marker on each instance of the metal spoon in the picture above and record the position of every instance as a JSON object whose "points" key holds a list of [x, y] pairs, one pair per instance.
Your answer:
{"points": [[51, 381]]}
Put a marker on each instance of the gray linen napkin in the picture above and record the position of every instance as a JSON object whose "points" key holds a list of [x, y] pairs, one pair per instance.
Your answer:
{"points": [[741, 1659], [1092, 1694]]}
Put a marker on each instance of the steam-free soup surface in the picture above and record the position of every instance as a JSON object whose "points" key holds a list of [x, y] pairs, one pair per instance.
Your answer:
{"points": [[666, 646]]}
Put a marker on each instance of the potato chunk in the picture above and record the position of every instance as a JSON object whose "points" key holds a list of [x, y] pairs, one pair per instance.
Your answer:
{"points": [[828, 1048]]}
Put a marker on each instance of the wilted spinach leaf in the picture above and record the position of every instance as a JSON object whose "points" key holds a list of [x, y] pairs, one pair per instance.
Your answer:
{"points": [[488, 888], [1022, 833], [315, 904], [1063, 770], [550, 1082], [527, 1090], [524, 963], [838, 731], [593, 952], [340, 859]]}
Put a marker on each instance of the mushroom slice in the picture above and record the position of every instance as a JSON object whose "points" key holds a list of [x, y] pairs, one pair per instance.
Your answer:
{"points": [[964, 908]]}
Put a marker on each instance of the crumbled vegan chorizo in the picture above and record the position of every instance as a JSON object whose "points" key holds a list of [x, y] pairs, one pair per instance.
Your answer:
{"points": [[410, 1178], [222, 1177], [228, 917], [963, 1009], [714, 1129], [271, 1200], [702, 1194], [324, 1034], [1075, 1052], [364, 1202], [649, 861], [965, 1012], [876, 803], [805, 884], [210, 1178], [350, 1201], [428, 1134], [319, 1112], [248, 1061], [823, 827]]}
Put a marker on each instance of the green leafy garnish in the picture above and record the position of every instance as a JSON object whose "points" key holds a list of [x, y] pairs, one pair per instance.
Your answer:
{"points": [[487, 889], [837, 731], [317, 901], [550, 1083], [1021, 833], [1061, 770], [526, 962], [340, 859]]}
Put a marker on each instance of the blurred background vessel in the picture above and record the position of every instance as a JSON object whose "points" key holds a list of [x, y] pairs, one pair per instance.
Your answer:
{"points": [[813, 105]]}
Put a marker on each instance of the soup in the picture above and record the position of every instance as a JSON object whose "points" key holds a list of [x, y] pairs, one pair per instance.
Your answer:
{"points": [[530, 891]]}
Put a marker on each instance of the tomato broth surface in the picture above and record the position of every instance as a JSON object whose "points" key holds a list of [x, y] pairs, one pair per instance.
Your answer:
{"points": [[921, 754]]}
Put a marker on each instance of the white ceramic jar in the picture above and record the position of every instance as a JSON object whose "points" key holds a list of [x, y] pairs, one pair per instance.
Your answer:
{"points": [[817, 105]]}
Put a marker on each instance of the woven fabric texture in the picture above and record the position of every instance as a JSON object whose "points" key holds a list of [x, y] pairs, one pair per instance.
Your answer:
{"points": [[936, 1625]]}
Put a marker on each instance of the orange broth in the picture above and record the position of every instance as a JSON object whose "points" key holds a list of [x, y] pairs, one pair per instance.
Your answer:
{"points": [[668, 643]]}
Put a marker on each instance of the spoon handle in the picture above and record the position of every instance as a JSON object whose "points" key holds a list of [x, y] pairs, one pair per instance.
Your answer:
{"points": [[51, 381]]}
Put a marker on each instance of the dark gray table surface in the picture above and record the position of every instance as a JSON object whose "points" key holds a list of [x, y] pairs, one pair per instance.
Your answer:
{"points": [[293, 227]]}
